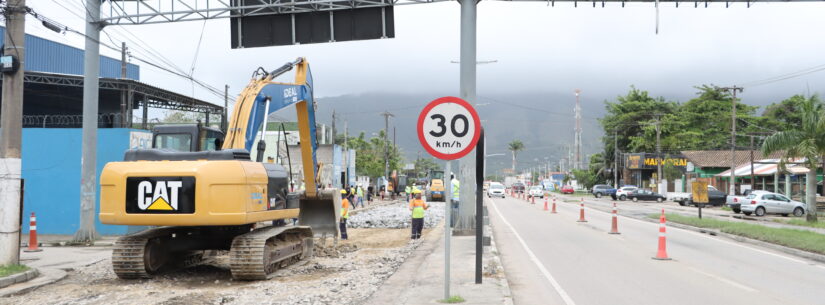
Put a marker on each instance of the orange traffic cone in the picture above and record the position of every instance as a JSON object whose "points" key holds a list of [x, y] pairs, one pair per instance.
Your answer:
{"points": [[32, 235], [554, 206], [662, 253], [545, 204], [581, 212], [533, 199], [615, 226]]}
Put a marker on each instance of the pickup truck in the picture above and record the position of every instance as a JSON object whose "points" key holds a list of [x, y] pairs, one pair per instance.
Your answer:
{"points": [[715, 197]]}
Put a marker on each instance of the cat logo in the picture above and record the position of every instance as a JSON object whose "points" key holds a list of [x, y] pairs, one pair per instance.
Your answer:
{"points": [[164, 197], [150, 195]]}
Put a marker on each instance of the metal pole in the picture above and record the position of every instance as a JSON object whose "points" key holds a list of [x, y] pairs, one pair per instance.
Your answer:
{"points": [[225, 114], [447, 228], [123, 111], [659, 158], [753, 177], [11, 123], [480, 160], [467, 90], [88, 179], [732, 184], [615, 158]]}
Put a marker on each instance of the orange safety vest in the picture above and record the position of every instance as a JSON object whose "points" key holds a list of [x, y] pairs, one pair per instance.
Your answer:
{"points": [[418, 206], [344, 208]]}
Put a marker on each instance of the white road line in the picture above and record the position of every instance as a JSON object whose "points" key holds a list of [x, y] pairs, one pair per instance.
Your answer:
{"points": [[713, 238], [547, 275], [721, 279]]}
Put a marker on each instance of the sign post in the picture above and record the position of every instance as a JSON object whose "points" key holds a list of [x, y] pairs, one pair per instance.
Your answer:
{"points": [[448, 128]]}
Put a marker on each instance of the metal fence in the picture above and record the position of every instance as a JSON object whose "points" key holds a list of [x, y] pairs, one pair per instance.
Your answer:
{"points": [[105, 120]]}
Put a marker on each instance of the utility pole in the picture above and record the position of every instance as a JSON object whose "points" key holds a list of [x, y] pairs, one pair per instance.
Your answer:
{"points": [[387, 116], [11, 123], [578, 134], [88, 175], [333, 127], [658, 155], [225, 114], [123, 112], [732, 190], [616, 158]]}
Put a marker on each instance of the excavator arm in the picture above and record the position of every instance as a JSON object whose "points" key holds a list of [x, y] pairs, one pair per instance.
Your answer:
{"points": [[262, 97]]}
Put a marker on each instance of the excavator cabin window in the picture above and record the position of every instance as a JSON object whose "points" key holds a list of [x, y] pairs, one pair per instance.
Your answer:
{"points": [[210, 140], [174, 141]]}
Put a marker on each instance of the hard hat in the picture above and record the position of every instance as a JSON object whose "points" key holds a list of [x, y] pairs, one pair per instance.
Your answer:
{"points": [[343, 192], [416, 191]]}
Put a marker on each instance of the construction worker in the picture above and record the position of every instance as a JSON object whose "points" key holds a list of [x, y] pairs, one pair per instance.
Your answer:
{"points": [[408, 192], [344, 214], [455, 189], [360, 192], [417, 206]]}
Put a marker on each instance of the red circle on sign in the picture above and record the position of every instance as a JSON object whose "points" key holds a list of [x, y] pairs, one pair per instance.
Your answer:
{"points": [[476, 131]]}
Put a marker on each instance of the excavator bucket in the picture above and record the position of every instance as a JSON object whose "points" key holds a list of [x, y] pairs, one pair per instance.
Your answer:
{"points": [[321, 213]]}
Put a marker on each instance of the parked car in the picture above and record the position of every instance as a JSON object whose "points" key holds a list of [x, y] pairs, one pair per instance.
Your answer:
{"points": [[645, 195], [518, 187], [735, 202], [536, 191], [622, 192], [762, 203], [567, 189], [495, 190], [600, 190], [715, 198]]}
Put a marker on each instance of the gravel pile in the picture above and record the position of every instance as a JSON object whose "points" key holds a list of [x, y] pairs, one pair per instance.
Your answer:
{"points": [[395, 216]]}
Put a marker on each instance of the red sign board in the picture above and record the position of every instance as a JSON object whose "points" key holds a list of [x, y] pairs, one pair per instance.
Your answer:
{"points": [[448, 128]]}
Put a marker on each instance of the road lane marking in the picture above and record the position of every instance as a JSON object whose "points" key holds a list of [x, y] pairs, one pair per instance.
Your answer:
{"points": [[721, 279], [715, 238], [563, 294]]}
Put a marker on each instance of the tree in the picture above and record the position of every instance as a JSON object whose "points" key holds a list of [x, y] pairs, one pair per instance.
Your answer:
{"points": [[179, 117], [423, 166], [806, 140], [515, 146], [784, 115]]}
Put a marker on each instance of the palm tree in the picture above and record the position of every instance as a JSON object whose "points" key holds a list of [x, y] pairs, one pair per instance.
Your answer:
{"points": [[807, 142], [515, 147]]}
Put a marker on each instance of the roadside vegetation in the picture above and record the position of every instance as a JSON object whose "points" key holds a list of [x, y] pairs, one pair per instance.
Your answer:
{"points": [[12, 269], [453, 299], [798, 239], [803, 223]]}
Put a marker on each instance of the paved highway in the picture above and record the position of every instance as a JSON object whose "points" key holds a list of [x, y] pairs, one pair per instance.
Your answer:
{"points": [[552, 259]]}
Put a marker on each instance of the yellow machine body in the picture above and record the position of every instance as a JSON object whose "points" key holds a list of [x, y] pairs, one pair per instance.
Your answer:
{"points": [[226, 193]]}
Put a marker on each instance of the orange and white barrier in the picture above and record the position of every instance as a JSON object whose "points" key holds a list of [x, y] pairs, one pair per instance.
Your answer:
{"points": [[614, 228], [662, 253], [32, 235], [554, 206], [581, 212]]}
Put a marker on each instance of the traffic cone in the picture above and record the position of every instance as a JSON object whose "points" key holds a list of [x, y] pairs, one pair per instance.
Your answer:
{"points": [[545, 204], [615, 226], [32, 235], [581, 212], [662, 253], [533, 199], [554, 206]]}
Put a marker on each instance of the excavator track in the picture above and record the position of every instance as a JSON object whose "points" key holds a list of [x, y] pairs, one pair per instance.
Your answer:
{"points": [[145, 254], [258, 254]]}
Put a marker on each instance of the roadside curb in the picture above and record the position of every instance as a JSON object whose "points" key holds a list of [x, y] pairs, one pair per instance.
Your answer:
{"points": [[505, 284], [18, 277]]}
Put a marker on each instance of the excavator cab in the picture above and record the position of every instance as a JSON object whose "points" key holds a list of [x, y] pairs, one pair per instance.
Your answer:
{"points": [[187, 137]]}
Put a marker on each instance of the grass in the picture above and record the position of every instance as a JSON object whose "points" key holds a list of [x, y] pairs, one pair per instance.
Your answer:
{"points": [[798, 239], [726, 208], [12, 269], [803, 223], [453, 299]]}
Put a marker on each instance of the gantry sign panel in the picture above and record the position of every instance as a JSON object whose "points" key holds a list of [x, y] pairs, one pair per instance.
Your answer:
{"points": [[309, 27]]}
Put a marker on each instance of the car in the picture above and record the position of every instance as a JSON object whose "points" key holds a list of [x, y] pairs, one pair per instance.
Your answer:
{"points": [[518, 187], [495, 190], [645, 195], [715, 198], [622, 192], [567, 189], [536, 191], [600, 190], [760, 204], [735, 202]]}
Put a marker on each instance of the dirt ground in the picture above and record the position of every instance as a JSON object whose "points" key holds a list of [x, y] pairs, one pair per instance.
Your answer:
{"points": [[347, 273]]}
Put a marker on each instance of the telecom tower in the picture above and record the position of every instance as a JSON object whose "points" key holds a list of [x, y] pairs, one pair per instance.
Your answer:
{"points": [[577, 161]]}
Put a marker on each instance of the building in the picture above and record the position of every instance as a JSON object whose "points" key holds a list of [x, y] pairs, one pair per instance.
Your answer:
{"points": [[641, 169], [707, 165], [52, 117]]}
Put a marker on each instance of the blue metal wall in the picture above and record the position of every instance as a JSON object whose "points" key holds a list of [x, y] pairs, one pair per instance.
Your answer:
{"points": [[48, 56], [51, 169]]}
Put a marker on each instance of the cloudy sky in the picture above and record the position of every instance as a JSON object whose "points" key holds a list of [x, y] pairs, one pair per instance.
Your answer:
{"points": [[539, 48]]}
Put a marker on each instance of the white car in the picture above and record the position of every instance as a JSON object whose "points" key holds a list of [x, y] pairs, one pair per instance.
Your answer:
{"points": [[622, 192], [495, 190], [536, 191], [761, 203]]}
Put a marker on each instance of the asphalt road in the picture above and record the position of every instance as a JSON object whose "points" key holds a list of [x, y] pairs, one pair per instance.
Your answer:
{"points": [[552, 259]]}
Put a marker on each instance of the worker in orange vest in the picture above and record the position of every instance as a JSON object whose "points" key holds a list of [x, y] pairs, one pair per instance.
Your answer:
{"points": [[417, 206], [344, 214]]}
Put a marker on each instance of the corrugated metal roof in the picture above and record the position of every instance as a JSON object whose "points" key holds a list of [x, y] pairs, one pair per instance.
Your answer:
{"points": [[44, 55]]}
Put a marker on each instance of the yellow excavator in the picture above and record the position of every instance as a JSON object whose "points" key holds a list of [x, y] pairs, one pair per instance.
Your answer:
{"points": [[205, 200]]}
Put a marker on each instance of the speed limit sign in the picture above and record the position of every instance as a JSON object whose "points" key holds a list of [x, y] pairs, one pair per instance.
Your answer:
{"points": [[448, 128]]}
